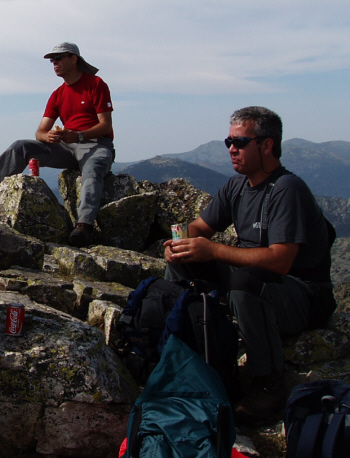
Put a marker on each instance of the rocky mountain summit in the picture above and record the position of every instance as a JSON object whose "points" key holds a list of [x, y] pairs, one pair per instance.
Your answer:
{"points": [[63, 390], [160, 169]]}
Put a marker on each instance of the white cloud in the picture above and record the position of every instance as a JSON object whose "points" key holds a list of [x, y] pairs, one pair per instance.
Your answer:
{"points": [[175, 46], [228, 52]]}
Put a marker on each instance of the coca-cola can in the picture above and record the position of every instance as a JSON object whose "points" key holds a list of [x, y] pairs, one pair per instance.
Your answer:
{"points": [[179, 231], [15, 319], [34, 167]]}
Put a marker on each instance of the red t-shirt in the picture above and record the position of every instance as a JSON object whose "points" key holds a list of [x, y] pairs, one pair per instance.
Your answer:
{"points": [[78, 104]]}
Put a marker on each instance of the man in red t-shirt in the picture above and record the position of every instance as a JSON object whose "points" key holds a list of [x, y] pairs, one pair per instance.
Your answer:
{"points": [[83, 104]]}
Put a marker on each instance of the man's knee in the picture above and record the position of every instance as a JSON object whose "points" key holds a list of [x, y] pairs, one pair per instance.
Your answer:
{"points": [[15, 145], [20, 145], [96, 168]]}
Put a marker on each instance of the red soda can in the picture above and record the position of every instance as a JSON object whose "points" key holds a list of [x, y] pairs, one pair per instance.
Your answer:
{"points": [[34, 167], [15, 319]]}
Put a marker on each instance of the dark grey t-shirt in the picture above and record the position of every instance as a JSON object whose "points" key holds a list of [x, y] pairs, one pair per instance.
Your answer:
{"points": [[292, 215]]}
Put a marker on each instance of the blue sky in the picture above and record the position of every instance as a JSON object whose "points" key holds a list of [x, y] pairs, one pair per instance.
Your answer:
{"points": [[177, 69]]}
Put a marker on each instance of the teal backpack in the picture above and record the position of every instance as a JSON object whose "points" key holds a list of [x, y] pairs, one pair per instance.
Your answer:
{"points": [[183, 411]]}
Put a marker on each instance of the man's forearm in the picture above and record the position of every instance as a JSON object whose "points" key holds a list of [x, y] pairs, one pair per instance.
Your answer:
{"points": [[194, 231], [99, 130], [277, 258], [41, 136]]}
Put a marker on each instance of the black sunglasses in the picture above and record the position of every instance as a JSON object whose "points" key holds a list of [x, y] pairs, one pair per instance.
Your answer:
{"points": [[59, 57], [239, 142]]}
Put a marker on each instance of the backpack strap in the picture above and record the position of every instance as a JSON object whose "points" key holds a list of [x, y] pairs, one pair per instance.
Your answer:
{"points": [[222, 436], [337, 438], [332, 435], [346, 439], [237, 203], [308, 436], [263, 218], [133, 442], [205, 328]]}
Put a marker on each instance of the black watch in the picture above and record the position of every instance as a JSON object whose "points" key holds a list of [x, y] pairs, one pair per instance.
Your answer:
{"points": [[80, 137]]}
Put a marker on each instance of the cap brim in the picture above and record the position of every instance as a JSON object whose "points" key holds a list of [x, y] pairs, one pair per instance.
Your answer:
{"points": [[51, 54]]}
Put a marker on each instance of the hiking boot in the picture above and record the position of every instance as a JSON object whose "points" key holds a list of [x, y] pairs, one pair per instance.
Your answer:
{"points": [[266, 396], [81, 235]]}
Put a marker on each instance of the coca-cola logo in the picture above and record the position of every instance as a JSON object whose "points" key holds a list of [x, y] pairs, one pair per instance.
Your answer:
{"points": [[14, 321]]}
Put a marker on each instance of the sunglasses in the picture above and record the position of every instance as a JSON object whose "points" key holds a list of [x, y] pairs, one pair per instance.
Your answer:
{"points": [[239, 142], [59, 57]]}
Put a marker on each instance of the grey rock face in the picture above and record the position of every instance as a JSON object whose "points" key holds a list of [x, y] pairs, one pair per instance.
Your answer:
{"points": [[28, 205]]}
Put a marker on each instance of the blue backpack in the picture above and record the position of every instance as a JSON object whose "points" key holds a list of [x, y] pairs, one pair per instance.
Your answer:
{"points": [[183, 410], [317, 420]]}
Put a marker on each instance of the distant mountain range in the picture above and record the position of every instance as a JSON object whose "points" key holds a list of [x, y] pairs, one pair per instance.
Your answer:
{"points": [[163, 168], [325, 167]]}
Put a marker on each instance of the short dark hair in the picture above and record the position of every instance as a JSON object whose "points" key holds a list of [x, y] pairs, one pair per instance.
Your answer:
{"points": [[267, 124]]}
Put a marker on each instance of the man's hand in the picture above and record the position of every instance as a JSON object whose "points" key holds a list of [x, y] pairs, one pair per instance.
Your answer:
{"points": [[54, 136], [197, 249], [70, 136], [47, 133]]}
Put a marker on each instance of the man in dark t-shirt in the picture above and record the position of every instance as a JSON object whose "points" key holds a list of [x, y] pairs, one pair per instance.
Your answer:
{"points": [[277, 278], [83, 104]]}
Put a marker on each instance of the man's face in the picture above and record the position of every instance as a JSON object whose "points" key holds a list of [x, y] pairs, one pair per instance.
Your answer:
{"points": [[245, 160], [63, 64]]}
